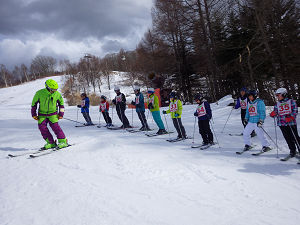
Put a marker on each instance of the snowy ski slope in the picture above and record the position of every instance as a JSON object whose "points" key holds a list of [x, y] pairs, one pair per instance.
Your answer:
{"points": [[120, 178]]}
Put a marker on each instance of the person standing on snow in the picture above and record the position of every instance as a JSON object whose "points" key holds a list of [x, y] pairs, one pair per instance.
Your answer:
{"points": [[49, 100], [286, 111], [153, 106], [120, 102], [204, 115], [254, 120], [242, 103], [140, 108], [104, 109], [85, 105], [175, 108]]}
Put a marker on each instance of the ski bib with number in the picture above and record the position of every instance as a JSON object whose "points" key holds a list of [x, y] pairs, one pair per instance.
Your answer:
{"points": [[151, 100], [137, 99], [173, 106], [243, 103], [82, 103], [102, 107], [252, 109], [119, 98], [284, 108], [201, 110]]}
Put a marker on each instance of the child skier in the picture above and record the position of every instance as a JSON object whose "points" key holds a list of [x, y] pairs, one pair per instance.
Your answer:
{"points": [[204, 114], [85, 105], [140, 108], [104, 108], [254, 120], [175, 108], [49, 99], [286, 111], [120, 102], [153, 106], [242, 103]]}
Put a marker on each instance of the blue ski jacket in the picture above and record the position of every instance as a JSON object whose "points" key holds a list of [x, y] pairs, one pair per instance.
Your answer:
{"points": [[261, 111]]}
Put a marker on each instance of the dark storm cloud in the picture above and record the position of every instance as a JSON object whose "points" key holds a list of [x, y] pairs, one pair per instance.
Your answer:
{"points": [[69, 28], [72, 19]]}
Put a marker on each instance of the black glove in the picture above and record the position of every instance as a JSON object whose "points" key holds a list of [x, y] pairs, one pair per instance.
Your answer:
{"points": [[79, 106], [260, 123], [114, 101], [196, 114], [150, 106], [132, 103], [245, 122], [164, 112]]}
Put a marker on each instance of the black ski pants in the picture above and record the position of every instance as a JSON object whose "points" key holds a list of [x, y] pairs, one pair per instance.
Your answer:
{"points": [[243, 115], [143, 119], [179, 127], [205, 131], [87, 117], [290, 139], [106, 117], [122, 117]]}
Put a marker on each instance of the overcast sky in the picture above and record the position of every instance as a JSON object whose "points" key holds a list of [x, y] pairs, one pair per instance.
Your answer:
{"points": [[69, 28]]}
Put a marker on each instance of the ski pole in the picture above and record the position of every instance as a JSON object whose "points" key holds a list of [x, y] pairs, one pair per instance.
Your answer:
{"points": [[269, 136], [296, 140], [194, 130], [167, 126], [99, 116], [276, 136], [73, 120], [132, 117], [227, 120], [77, 117], [214, 133]]}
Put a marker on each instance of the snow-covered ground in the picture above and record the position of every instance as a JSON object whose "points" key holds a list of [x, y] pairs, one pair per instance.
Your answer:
{"points": [[116, 177]]}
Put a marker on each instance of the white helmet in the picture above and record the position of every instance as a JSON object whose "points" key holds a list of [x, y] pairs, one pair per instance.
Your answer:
{"points": [[136, 87], [281, 91], [117, 88]]}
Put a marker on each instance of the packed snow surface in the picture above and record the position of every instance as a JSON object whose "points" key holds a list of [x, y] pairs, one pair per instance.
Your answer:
{"points": [[116, 177]]}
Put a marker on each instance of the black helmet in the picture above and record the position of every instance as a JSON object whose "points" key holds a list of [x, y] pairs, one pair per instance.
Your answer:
{"points": [[173, 94], [197, 97], [253, 93], [244, 89], [103, 97], [83, 95]]}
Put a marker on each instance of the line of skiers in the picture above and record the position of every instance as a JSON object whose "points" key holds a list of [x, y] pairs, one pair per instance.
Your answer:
{"points": [[253, 114]]}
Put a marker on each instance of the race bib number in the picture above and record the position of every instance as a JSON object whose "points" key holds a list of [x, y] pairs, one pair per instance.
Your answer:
{"points": [[82, 103], [173, 107], [137, 100], [252, 109], [284, 108], [119, 98], [243, 104], [201, 110], [151, 100], [103, 106]]}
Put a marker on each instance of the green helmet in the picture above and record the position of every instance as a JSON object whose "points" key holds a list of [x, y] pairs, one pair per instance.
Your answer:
{"points": [[51, 84]]}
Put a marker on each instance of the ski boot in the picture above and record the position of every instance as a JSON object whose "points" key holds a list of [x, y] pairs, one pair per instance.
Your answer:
{"points": [[247, 148], [266, 149], [62, 143], [48, 145]]}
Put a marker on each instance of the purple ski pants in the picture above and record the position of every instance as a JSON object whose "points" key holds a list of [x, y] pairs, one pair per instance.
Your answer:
{"points": [[46, 133]]}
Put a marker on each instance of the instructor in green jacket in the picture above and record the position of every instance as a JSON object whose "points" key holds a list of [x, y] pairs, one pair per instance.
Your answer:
{"points": [[51, 109]]}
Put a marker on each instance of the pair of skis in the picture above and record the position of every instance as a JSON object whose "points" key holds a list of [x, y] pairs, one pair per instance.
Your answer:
{"points": [[254, 154], [37, 153], [155, 134], [203, 146]]}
